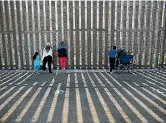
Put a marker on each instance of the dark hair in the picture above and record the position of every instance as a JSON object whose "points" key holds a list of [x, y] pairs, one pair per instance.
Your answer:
{"points": [[62, 42], [114, 47], [34, 57]]}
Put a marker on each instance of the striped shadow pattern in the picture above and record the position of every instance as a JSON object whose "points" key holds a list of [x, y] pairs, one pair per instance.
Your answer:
{"points": [[83, 97]]}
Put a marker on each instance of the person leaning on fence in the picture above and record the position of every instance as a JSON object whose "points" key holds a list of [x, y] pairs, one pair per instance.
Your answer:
{"points": [[112, 57], [36, 63], [62, 54], [47, 57]]}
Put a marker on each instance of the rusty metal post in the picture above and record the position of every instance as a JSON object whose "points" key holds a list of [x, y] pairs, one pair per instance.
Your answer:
{"points": [[163, 52]]}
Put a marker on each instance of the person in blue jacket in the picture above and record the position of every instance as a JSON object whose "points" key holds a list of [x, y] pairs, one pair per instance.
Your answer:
{"points": [[36, 61], [112, 57]]}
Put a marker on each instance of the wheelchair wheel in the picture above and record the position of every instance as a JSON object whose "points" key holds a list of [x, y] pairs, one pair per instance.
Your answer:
{"points": [[130, 68]]}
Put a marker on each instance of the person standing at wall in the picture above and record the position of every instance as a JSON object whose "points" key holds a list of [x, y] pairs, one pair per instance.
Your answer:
{"points": [[47, 57], [112, 57], [62, 54], [36, 63]]}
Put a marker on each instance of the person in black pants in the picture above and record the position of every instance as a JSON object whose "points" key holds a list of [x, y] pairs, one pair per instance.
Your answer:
{"points": [[112, 57], [47, 57]]}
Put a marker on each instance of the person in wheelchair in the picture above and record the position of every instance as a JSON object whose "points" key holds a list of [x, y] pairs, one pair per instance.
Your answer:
{"points": [[123, 60], [120, 52]]}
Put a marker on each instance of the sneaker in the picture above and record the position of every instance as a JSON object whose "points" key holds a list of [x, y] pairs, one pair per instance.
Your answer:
{"points": [[63, 69], [50, 72], [111, 72]]}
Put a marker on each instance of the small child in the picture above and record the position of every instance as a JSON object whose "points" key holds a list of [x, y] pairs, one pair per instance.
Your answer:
{"points": [[36, 61]]}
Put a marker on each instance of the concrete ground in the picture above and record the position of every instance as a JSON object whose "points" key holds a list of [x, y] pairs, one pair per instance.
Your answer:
{"points": [[82, 96]]}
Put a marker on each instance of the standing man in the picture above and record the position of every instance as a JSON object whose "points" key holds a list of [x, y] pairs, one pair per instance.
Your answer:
{"points": [[112, 57], [47, 57]]}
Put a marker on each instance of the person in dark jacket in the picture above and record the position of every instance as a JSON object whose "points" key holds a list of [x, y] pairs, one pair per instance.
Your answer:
{"points": [[62, 54]]}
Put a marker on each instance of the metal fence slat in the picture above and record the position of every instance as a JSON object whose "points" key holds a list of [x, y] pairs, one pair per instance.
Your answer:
{"points": [[3, 36], [77, 34], [89, 34], [106, 34], [158, 42], [100, 33], [147, 40], [71, 34], [94, 34], [141, 38]]}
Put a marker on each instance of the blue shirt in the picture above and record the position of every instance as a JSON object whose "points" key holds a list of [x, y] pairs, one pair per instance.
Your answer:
{"points": [[62, 46], [37, 61], [112, 53]]}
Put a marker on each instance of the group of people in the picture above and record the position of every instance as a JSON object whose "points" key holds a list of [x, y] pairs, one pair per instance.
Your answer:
{"points": [[47, 57], [62, 54], [114, 57]]}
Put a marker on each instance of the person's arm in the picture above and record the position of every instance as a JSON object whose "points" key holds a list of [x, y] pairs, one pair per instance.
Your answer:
{"points": [[51, 52], [43, 51], [116, 55], [43, 54]]}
